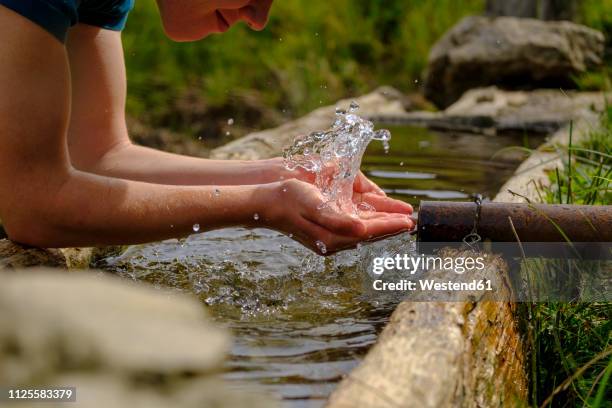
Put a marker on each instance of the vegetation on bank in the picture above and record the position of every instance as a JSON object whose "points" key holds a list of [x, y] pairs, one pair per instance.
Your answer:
{"points": [[571, 342], [312, 53]]}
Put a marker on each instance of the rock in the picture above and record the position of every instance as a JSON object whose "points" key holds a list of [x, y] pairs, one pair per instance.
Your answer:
{"points": [[492, 110], [511, 53], [531, 178], [271, 142], [538, 111], [121, 343], [13, 255]]}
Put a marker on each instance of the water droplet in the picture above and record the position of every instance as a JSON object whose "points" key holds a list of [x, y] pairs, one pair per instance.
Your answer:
{"points": [[382, 134], [171, 225], [199, 137], [196, 227], [363, 206], [316, 34], [321, 246], [284, 189], [353, 107], [256, 216], [217, 192], [401, 163], [416, 81], [230, 121], [228, 133]]}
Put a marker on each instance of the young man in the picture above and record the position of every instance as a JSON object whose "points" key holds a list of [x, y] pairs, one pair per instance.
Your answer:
{"points": [[69, 175]]}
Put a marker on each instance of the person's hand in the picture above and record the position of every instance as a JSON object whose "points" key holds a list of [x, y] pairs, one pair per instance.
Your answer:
{"points": [[296, 208]]}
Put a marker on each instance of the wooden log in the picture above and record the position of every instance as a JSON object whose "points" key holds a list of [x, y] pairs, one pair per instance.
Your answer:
{"points": [[442, 354]]}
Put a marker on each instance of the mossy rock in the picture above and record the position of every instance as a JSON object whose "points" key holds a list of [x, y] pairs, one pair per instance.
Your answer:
{"points": [[13, 255]]}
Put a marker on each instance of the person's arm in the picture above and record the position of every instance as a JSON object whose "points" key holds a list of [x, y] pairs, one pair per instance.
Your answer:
{"points": [[44, 201], [98, 137]]}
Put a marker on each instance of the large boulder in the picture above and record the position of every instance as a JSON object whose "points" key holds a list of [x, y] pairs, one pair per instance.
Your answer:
{"points": [[509, 52], [120, 343]]}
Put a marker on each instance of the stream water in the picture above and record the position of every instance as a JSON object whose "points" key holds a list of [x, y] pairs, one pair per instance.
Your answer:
{"points": [[301, 322]]}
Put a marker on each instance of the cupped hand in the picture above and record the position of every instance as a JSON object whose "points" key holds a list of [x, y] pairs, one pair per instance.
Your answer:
{"points": [[297, 209]]}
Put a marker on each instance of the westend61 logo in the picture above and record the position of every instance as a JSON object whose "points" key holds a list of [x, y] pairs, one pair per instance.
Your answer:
{"points": [[411, 264]]}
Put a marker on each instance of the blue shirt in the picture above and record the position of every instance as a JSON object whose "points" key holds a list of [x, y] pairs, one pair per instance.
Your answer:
{"points": [[57, 16]]}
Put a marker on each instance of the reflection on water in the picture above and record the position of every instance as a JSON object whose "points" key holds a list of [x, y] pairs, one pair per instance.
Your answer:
{"points": [[425, 165], [301, 321]]}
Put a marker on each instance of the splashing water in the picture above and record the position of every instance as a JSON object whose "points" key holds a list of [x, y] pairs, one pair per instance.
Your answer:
{"points": [[334, 155]]}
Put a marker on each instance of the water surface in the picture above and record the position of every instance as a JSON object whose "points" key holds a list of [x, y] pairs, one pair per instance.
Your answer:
{"points": [[301, 322]]}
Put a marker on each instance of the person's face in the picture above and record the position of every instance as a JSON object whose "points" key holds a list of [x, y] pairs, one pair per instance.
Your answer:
{"points": [[189, 20]]}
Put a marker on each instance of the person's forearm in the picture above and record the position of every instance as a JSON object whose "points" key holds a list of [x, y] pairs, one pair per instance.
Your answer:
{"points": [[140, 163], [94, 210]]}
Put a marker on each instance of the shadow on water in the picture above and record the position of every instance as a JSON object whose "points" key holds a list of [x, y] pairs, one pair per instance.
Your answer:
{"points": [[301, 322]]}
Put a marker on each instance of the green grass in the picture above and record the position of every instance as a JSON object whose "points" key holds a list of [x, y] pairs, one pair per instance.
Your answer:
{"points": [[598, 15], [312, 53], [571, 342]]}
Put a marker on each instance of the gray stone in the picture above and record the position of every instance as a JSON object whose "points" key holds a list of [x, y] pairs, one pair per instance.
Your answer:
{"points": [[531, 178], [121, 343], [509, 52], [270, 143], [491, 110]]}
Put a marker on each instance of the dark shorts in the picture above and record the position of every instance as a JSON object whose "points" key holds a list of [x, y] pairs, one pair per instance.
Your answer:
{"points": [[57, 16]]}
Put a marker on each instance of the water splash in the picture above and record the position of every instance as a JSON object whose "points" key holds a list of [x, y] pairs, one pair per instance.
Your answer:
{"points": [[321, 246], [334, 155]]}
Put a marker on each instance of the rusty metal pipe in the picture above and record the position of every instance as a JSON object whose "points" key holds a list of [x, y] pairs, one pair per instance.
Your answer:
{"points": [[444, 221]]}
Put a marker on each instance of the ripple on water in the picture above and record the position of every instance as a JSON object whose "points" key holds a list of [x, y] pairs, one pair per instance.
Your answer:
{"points": [[300, 321]]}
